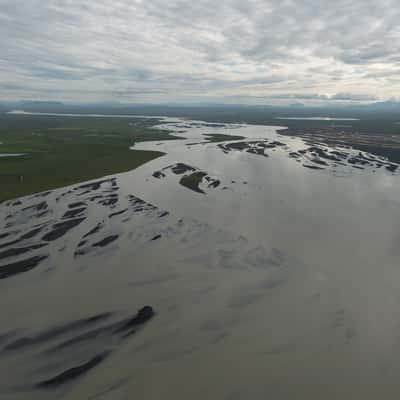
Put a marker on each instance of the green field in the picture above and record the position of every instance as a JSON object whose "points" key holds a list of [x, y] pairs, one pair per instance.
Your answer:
{"points": [[60, 151], [193, 181]]}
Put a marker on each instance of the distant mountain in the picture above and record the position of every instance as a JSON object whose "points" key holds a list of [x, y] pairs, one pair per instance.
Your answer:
{"points": [[31, 103], [390, 105]]}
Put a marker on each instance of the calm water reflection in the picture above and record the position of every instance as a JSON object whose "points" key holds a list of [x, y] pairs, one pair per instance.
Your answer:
{"points": [[282, 282]]}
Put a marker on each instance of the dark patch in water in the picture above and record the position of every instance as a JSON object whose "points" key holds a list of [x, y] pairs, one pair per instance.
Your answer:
{"points": [[99, 340], [158, 175], [4, 235], [143, 315], [97, 197], [157, 237], [213, 183], [32, 233], [117, 213], [120, 326], [74, 213], [135, 200], [95, 185], [315, 153], [42, 214], [234, 146], [19, 267], [87, 336], [109, 389], [5, 337], [392, 167], [212, 125], [357, 160], [13, 252], [73, 373], [44, 194], [312, 166], [319, 162], [193, 181], [181, 168], [94, 230], [104, 242], [77, 204], [258, 151], [333, 156], [110, 200], [55, 332], [27, 235], [61, 229], [37, 207]]}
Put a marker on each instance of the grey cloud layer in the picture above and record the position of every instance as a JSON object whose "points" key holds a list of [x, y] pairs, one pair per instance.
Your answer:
{"points": [[172, 50]]}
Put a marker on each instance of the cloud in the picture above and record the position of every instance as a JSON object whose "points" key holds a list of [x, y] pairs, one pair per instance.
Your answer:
{"points": [[175, 50]]}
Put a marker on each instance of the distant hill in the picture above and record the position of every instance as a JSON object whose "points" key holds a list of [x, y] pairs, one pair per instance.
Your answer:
{"points": [[385, 105], [31, 103]]}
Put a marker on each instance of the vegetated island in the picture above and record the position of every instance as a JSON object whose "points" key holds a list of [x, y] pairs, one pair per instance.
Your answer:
{"points": [[216, 138], [383, 145], [193, 181], [219, 137], [58, 151]]}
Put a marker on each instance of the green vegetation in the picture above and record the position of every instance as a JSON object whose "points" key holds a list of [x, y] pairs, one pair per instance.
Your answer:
{"points": [[60, 151], [219, 137], [216, 138], [193, 181]]}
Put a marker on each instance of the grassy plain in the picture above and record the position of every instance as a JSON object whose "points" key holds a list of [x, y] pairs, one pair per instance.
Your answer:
{"points": [[60, 151]]}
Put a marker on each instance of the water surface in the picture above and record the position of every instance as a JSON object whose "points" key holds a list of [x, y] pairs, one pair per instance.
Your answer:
{"points": [[280, 282]]}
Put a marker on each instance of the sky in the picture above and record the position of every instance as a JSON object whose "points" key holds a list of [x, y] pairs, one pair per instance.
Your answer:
{"points": [[221, 51]]}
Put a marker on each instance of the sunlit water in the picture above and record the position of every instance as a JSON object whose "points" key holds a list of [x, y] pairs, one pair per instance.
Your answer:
{"points": [[282, 282]]}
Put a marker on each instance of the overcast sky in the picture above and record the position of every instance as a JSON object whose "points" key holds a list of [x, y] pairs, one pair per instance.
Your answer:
{"points": [[233, 51]]}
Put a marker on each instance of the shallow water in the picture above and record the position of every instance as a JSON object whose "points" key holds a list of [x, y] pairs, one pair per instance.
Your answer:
{"points": [[11, 154], [280, 282]]}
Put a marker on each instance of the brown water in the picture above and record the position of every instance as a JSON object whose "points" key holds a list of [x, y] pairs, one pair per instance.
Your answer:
{"points": [[281, 282]]}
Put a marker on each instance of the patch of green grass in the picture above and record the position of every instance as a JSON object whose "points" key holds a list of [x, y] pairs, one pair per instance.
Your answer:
{"points": [[61, 151], [219, 137], [193, 181]]}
